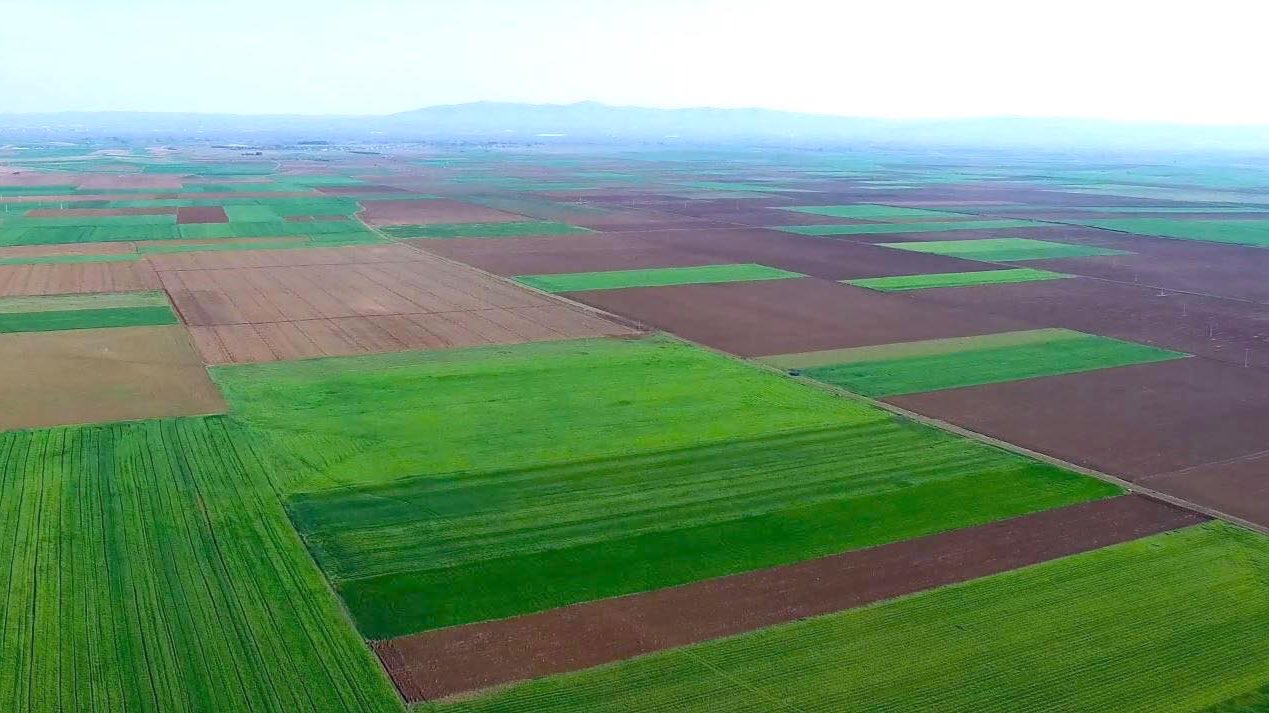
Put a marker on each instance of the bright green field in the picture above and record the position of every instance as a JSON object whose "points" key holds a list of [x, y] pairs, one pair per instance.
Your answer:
{"points": [[55, 320], [372, 419], [482, 230], [973, 366], [1165, 624], [104, 300], [69, 259], [1236, 232], [490, 482], [997, 224], [1003, 249], [654, 277], [148, 566], [904, 283], [27, 235], [451, 549], [883, 213]]}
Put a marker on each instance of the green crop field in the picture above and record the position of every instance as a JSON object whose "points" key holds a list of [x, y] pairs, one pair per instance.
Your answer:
{"points": [[69, 259], [1003, 249], [90, 221], [27, 235], [877, 374], [1235, 232], [904, 283], [251, 214], [880, 213], [482, 230], [883, 228], [561, 469], [1158, 625], [654, 277], [149, 567]]}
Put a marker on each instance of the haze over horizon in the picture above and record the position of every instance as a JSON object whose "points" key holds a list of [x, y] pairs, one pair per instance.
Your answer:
{"points": [[1126, 61]]}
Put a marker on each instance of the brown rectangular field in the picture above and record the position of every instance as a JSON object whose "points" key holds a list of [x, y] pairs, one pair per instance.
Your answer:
{"points": [[68, 278], [1130, 421], [1239, 487], [430, 211], [101, 375], [201, 214], [463, 659], [342, 301], [790, 316]]}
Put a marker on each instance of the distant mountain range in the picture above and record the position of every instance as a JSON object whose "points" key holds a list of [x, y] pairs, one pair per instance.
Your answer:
{"points": [[588, 122]]}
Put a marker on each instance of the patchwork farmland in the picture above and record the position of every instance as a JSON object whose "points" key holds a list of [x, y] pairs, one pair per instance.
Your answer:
{"points": [[442, 429]]}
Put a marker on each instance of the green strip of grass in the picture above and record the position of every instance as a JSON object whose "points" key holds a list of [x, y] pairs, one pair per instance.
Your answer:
{"points": [[904, 283], [52, 321], [925, 347], [149, 567], [972, 367], [482, 230], [654, 277], [91, 221], [1235, 232], [69, 259], [998, 224], [26, 235], [1003, 249], [251, 214], [1160, 625]]}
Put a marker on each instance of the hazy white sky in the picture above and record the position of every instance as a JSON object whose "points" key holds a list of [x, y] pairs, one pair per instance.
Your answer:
{"points": [[1123, 59]]}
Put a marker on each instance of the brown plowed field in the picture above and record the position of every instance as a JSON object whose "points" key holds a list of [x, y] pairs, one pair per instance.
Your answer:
{"points": [[790, 316], [817, 257], [201, 214], [100, 375], [1131, 421], [67, 278], [563, 253], [282, 258], [623, 221], [429, 211], [458, 660], [1228, 330], [300, 304], [1239, 487]]}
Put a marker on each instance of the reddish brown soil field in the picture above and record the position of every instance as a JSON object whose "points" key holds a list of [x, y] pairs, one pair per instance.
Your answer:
{"points": [[10, 176], [97, 212], [563, 253], [283, 258], [622, 221], [462, 659], [300, 305], [1239, 487], [789, 316], [432, 211], [829, 259], [67, 278], [1132, 421], [1232, 331], [201, 214]]}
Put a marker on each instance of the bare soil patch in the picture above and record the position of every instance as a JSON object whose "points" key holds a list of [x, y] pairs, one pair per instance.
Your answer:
{"points": [[1131, 421], [201, 214], [74, 278], [462, 659], [100, 375], [790, 316], [342, 301], [1239, 487]]}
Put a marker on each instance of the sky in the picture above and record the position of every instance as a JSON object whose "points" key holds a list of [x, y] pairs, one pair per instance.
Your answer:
{"points": [[1116, 59]]}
